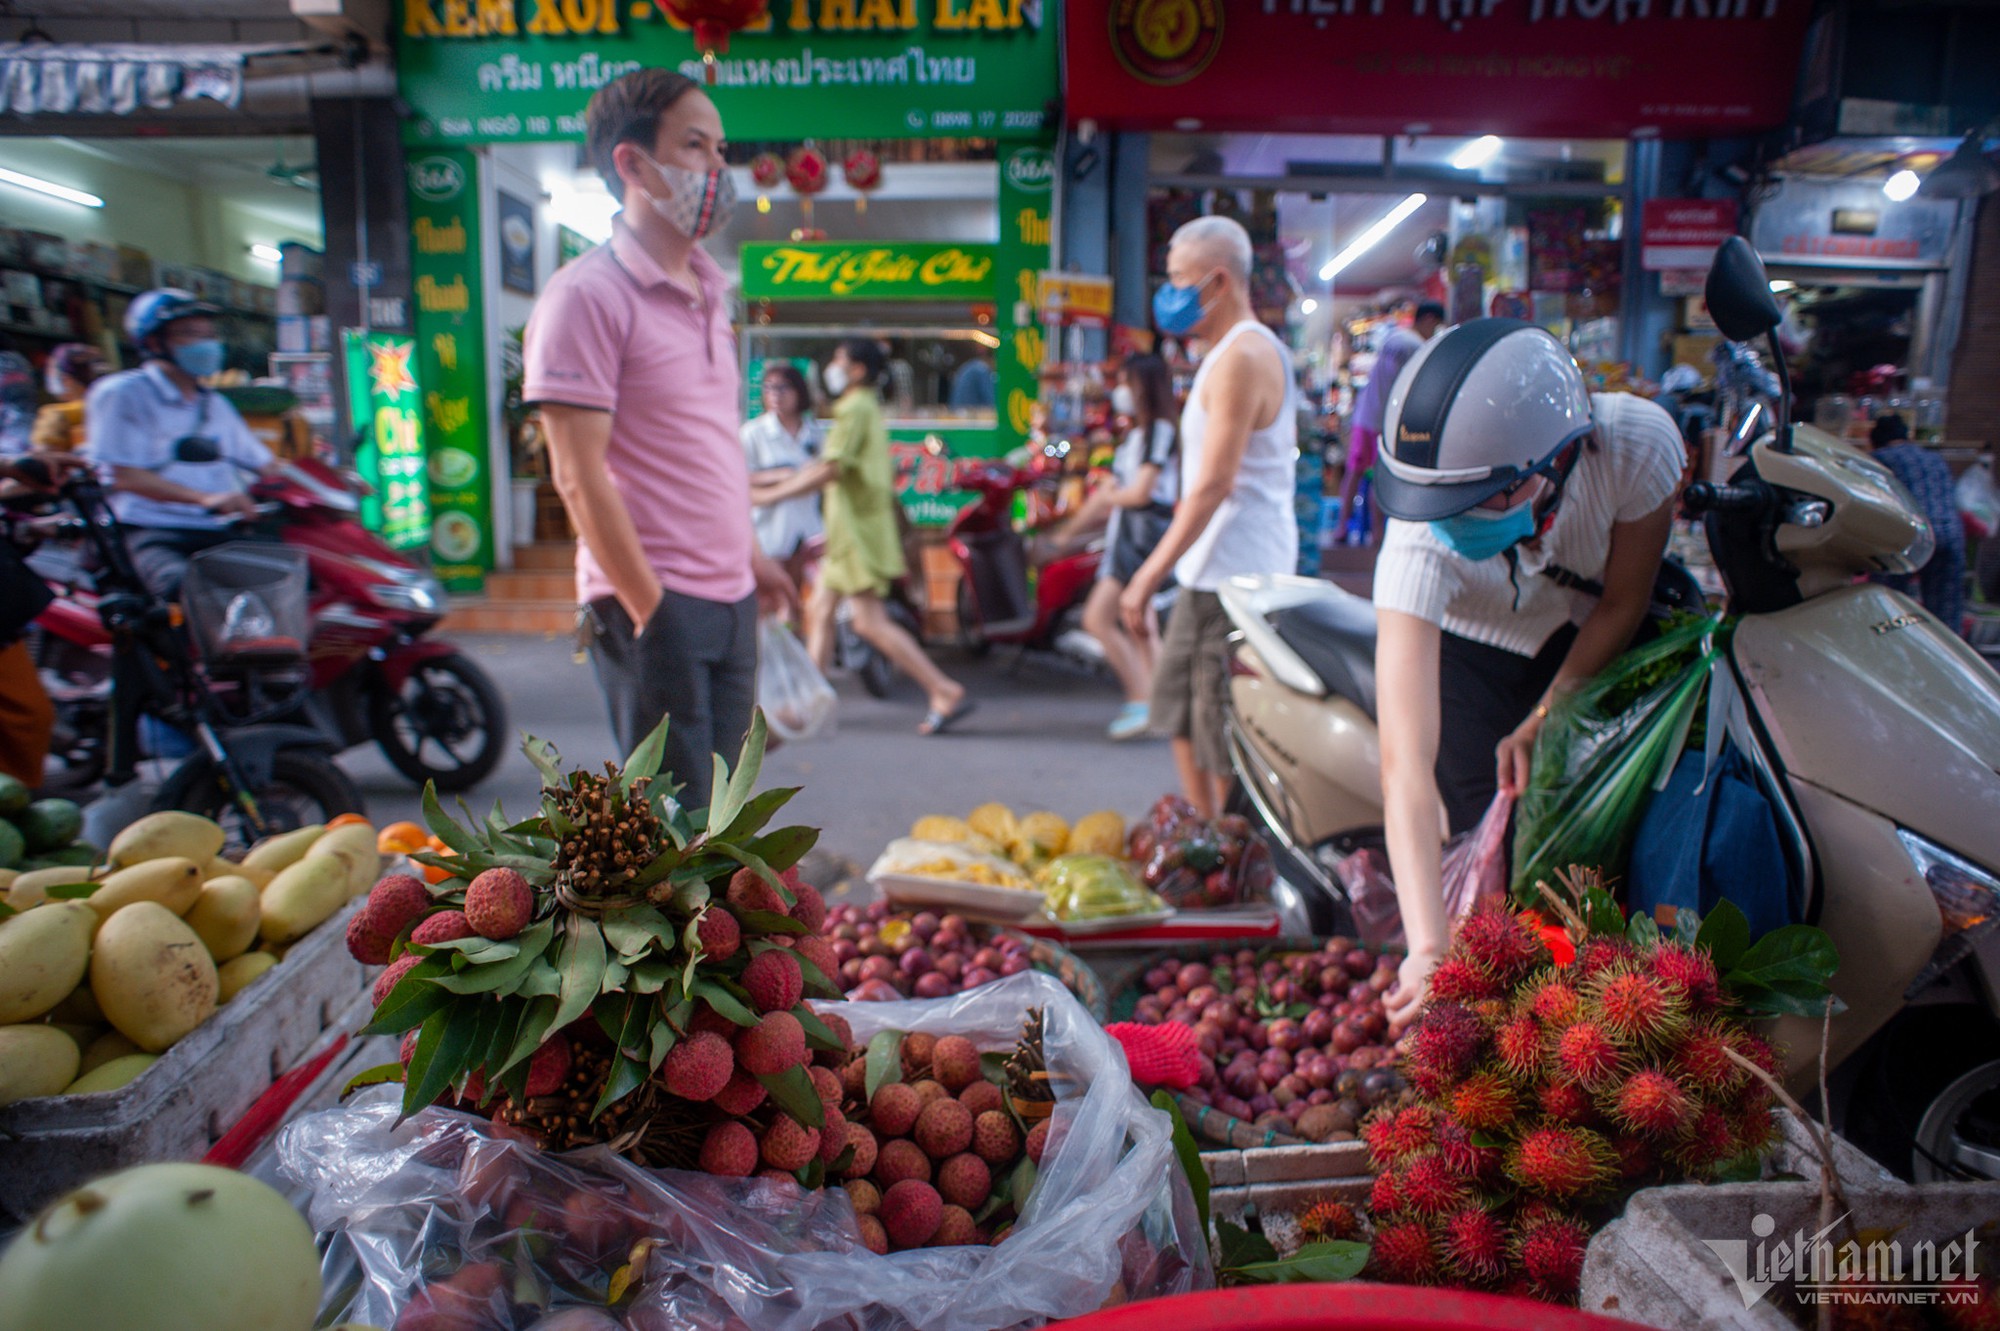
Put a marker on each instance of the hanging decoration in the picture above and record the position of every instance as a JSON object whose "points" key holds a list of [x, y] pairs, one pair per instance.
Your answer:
{"points": [[807, 171], [712, 22], [863, 170], [766, 170]]}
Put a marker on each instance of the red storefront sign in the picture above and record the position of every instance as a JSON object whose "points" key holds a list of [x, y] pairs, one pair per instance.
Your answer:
{"points": [[1584, 68], [1683, 233]]}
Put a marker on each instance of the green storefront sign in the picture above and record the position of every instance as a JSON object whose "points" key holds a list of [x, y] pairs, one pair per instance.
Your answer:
{"points": [[1027, 194], [501, 71], [451, 361], [823, 270], [385, 404]]}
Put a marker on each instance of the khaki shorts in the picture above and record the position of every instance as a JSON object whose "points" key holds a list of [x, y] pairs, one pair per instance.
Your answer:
{"points": [[1190, 685]]}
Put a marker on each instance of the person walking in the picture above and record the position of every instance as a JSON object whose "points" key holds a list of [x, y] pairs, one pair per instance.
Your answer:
{"points": [[1239, 459], [1364, 431], [864, 548], [73, 367], [1940, 584], [781, 439], [630, 357], [1145, 481]]}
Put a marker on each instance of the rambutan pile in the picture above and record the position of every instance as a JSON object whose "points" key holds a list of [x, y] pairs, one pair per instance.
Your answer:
{"points": [[1547, 1092]]}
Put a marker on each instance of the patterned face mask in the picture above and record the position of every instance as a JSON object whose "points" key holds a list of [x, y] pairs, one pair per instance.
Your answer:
{"points": [[695, 203]]}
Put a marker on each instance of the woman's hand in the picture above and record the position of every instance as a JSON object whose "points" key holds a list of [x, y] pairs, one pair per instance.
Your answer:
{"points": [[1516, 756], [1413, 983]]}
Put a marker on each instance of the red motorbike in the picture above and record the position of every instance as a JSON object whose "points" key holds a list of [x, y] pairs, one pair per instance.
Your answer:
{"points": [[375, 674], [1015, 587]]}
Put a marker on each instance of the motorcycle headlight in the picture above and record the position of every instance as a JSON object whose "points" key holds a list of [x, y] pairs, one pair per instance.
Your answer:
{"points": [[1968, 902], [403, 588]]}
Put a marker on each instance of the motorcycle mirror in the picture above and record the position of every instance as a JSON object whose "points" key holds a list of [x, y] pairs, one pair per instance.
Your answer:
{"points": [[1739, 293], [196, 449]]}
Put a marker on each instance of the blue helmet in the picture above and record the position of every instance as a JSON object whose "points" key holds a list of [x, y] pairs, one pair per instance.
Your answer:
{"points": [[150, 311]]}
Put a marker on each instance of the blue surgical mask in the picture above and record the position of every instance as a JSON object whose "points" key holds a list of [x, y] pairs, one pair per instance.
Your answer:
{"points": [[1480, 533], [1177, 309], [200, 359]]}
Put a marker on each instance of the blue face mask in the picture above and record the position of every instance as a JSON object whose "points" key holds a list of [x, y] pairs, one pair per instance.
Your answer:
{"points": [[200, 359], [1176, 309], [1481, 533]]}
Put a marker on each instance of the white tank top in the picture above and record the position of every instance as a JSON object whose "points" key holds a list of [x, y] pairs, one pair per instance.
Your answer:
{"points": [[1255, 530]]}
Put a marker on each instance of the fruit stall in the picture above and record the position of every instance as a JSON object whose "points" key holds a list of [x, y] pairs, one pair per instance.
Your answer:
{"points": [[616, 1065]]}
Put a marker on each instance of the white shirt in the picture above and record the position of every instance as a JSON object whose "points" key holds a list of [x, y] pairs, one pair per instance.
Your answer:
{"points": [[1635, 468], [1255, 529], [1136, 451], [767, 445], [135, 417]]}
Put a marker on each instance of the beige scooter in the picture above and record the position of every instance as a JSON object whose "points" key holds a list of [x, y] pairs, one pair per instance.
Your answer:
{"points": [[1874, 729]]}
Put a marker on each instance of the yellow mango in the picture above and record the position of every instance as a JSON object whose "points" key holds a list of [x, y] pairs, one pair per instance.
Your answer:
{"points": [[993, 821], [281, 852], [103, 1049], [226, 916], [152, 976], [32, 888], [357, 842], [174, 882], [111, 1076], [166, 835], [236, 974], [44, 953], [35, 1060], [306, 895], [222, 868]]}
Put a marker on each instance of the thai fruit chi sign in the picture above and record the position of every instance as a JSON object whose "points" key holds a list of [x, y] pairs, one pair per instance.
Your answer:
{"points": [[1594, 68]]}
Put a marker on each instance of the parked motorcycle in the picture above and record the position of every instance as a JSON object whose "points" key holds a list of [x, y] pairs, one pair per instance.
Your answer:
{"points": [[375, 672], [252, 769], [1873, 729], [1014, 587]]}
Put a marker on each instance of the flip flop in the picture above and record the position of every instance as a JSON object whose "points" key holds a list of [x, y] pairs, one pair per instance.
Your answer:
{"points": [[936, 722]]}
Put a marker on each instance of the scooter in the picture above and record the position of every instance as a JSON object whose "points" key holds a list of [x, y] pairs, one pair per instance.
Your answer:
{"points": [[1873, 729], [1009, 590]]}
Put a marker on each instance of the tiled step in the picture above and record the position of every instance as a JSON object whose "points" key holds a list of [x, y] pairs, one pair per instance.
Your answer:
{"points": [[530, 585], [553, 617], [544, 557]]}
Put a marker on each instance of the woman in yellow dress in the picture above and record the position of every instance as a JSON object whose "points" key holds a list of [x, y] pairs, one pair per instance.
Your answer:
{"points": [[72, 368], [864, 549]]}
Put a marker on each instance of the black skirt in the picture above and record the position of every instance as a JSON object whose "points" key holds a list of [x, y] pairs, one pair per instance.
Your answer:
{"points": [[1484, 692], [1138, 531]]}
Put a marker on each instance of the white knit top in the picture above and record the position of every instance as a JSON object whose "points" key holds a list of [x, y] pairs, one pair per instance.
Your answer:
{"points": [[1635, 468]]}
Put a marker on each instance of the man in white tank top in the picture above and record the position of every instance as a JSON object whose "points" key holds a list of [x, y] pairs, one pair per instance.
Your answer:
{"points": [[1239, 457]]}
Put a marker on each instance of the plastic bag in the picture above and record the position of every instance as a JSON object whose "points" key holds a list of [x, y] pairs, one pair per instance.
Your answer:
{"points": [[1094, 887], [1978, 499], [1111, 1218], [797, 700], [1474, 872], [1603, 752]]}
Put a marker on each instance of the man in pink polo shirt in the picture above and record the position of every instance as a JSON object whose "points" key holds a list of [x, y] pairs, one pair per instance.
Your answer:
{"points": [[631, 359]]}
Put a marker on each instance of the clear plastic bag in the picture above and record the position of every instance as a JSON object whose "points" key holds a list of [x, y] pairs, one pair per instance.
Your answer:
{"points": [[797, 701], [1111, 1218], [1978, 500], [1473, 873]]}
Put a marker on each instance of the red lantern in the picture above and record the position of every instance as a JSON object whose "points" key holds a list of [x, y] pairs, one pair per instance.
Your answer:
{"points": [[863, 170], [806, 170], [766, 170], [712, 22]]}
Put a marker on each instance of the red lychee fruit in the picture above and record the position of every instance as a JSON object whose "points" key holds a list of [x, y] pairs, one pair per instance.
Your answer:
{"points": [[1395, 1135], [832, 1135], [854, 1079], [964, 1180], [1552, 1255], [1634, 1007], [1484, 1102], [955, 1228], [1566, 1102], [774, 1044], [740, 1094], [1404, 1252], [1479, 1165], [1385, 1195], [1037, 1143], [900, 1159], [955, 1062], [826, 1084], [548, 1068], [789, 1144], [719, 934], [866, 1197], [698, 1067], [748, 892], [980, 1097], [1562, 1162], [930, 1091], [866, 1150], [1587, 1055], [1443, 1048], [1500, 943], [818, 953], [1458, 980], [387, 980], [1518, 1044], [837, 1059], [706, 1018], [1429, 1187], [499, 904], [1475, 1245], [469, 1298], [911, 1212], [994, 1137], [1651, 1102], [894, 1109], [808, 906], [1555, 1004], [873, 1236], [395, 903], [773, 981], [1687, 973], [943, 1129], [729, 1150], [917, 1049], [444, 927], [1329, 1220], [365, 943]]}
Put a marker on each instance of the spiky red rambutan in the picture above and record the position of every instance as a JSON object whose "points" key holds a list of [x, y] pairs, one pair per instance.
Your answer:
{"points": [[1518, 1043], [1707, 1142], [1555, 1003], [1329, 1219], [1651, 1102], [1479, 1165], [1385, 1197], [1552, 1255], [1475, 1245], [1405, 1252], [1637, 1157], [1587, 1055], [1702, 1059], [1687, 972], [1395, 1135], [1634, 1007], [1429, 1187], [1443, 1048], [1566, 1102], [1561, 1162], [1754, 1128], [1500, 943], [1600, 954], [1484, 1102], [1458, 980], [1758, 1050]]}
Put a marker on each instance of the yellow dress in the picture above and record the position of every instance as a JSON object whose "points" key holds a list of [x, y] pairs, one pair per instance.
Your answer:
{"points": [[59, 427], [864, 551]]}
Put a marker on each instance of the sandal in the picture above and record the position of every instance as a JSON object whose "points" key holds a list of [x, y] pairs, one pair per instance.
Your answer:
{"points": [[936, 722]]}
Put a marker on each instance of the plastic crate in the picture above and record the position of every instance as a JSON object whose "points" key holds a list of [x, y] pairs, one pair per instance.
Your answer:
{"points": [[247, 602]]}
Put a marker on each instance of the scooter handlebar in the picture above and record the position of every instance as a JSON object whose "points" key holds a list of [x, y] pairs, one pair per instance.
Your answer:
{"points": [[1708, 497]]}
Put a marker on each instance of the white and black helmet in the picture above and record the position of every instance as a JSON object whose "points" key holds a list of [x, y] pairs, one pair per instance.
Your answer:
{"points": [[1479, 409]]}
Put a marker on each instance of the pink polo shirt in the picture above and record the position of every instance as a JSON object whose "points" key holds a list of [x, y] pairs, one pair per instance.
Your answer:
{"points": [[613, 332]]}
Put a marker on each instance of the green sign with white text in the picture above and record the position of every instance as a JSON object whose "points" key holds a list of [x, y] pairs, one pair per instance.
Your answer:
{"points": [[385, 404], [503, 71], [832, 270], [451, 361]]}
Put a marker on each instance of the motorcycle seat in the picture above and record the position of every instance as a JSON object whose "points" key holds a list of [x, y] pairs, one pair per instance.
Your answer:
{"points": [[1335, 637]]}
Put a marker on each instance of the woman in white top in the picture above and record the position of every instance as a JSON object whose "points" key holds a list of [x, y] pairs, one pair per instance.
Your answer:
{"points": [[1529, 519], [1145, 482], [777, 443]]}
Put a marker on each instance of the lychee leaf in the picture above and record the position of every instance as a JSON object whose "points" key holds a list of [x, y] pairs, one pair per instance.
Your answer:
{"points": [[691, 895], [1239, 1247], [842, 1162], [412, 1000], [770, 922], [650, 975], [1786, 971], [1600, 912], [812, 1174], [500, 973], [1641, 932], [792, 1091], [885, 1061], [71, 891], [1022, 1184], [733, 792], [818, 1034], [581, 964], [543, 757], [615, 972], [1332, 1260], [816, 980], [441, 825], [1725, 935], [659, 1044], [378, 1075], [726, 1003], [1188, 1152], [536, 1023], [988, 1208], [785, 847], [645, 760], [543, 980], [450, 1042], [756, 866], [531, 867], [478, 950], [756, 813], [633, 931], [628, 1074]]}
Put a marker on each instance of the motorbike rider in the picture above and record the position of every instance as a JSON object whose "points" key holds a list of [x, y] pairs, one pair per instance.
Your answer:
{"points": [[135, 422], [27, 717], [1529, 517]]}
